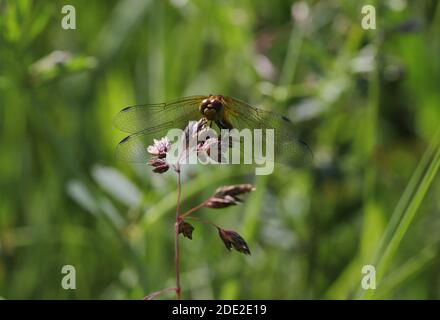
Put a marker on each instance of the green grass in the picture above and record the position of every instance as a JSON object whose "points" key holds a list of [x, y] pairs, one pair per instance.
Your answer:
{"points": [[407, 207], [367, 103]]}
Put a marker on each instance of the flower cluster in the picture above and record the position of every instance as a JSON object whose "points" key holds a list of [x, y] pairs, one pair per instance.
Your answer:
{"points": [[203, 142], [223, 197], [159, 152], [228, 196]]}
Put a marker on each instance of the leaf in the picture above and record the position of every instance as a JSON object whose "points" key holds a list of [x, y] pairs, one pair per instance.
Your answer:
{"points": [[117, 185], [81, 195]]}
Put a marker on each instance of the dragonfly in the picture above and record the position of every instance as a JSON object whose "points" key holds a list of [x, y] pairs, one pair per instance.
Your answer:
{"points": [[147, 122]]}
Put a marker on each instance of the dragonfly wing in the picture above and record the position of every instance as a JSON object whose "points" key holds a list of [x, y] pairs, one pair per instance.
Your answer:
{"points": [[287, 148], [134, 147], [140, 117]]}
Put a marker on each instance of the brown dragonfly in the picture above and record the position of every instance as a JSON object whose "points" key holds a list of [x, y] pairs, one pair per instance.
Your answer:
{"points": [[152, 121]]}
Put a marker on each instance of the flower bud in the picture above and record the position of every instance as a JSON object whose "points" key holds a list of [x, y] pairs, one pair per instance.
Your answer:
{"points": [[227, 196], [232, 239], [186, 229]]}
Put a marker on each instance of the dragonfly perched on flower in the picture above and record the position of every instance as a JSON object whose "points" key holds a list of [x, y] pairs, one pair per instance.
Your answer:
{"points": [[152, 121]]}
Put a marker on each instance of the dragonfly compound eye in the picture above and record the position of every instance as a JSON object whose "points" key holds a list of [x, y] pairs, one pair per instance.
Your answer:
{"points": [[205, 103], [216, 104], [205, 107]]}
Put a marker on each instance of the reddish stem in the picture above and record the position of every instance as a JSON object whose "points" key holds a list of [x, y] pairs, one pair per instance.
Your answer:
{"points": [[204, 221], [176, 239], [154, 295], [193, 209]]}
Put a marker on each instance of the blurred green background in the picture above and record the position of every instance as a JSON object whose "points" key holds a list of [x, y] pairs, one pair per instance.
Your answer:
{"points": [[366, 101]]}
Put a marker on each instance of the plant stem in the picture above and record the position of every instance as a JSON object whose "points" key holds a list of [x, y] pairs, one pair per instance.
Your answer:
{"points": [[153, 295], [204, 221], [176, 239], [186, 214]]}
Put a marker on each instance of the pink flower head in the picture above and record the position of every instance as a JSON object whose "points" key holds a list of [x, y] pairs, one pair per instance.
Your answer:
{"points": [[159, 151], [160, 147]]}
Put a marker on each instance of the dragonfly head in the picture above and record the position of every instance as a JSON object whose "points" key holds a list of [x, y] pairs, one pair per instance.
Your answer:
{"points": [[212, 108]]}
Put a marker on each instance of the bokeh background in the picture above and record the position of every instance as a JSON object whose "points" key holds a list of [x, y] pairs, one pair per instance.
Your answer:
{"points": [[366, 101]]}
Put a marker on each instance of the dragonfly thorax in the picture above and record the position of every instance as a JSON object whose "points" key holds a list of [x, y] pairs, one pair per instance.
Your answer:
{"points": [[212, 108]]}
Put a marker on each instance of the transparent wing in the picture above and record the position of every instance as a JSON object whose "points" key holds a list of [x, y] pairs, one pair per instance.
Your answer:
{"points": [[134, 147], [148, 116], [287, 148]]}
